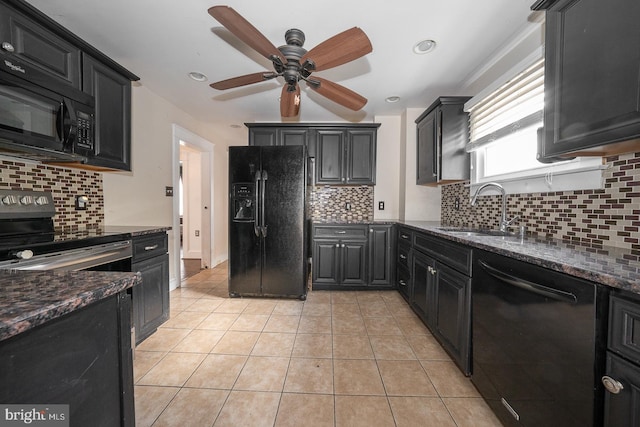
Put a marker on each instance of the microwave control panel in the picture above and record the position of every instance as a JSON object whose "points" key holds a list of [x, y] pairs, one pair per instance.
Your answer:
{"points": [[85, 130]]}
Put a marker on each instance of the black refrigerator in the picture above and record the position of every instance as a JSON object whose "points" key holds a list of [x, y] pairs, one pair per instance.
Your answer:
{"points": [[267, 225]]}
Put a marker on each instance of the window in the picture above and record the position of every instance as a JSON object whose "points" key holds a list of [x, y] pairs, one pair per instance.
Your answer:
{"points": [[503, 125]]}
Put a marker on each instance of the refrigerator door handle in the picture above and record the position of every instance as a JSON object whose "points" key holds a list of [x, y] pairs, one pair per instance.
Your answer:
{"points": [[256, 219], [263, 226]]}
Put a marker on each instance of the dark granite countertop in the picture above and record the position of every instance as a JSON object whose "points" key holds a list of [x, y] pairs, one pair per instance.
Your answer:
{"points": [[614, 267], [31, 298]]}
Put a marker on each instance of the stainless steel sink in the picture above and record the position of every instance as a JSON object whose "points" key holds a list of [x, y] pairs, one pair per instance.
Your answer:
{"points": [[476, 231]]}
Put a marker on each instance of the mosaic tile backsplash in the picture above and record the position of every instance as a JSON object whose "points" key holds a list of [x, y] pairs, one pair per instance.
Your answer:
{"points": [[329, 204], [590, 218], [65, 184]]}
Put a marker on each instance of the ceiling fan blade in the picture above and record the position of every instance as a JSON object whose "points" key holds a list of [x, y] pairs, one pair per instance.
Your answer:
{"points": [[337, 93], [290, 101], [243, 80], [339, 49], [246, 32]]}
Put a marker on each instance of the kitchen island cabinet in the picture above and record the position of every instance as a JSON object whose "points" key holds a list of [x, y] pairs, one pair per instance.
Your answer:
{"points": [[70, 345], [592, 88]]}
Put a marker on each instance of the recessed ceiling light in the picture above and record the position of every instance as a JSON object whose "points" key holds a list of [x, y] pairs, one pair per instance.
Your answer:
{"points": [[199, 77], [424, 46], [392, 99]]}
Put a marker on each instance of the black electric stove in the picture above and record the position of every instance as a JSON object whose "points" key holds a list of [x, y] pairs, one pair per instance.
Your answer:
{"points": [[27, 230]]}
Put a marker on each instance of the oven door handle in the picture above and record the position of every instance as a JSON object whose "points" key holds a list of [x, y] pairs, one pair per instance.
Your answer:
{"points": [[75, 260], [537, 288]]}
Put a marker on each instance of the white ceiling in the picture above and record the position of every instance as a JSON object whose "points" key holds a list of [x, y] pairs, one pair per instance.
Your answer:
{"points": [[161, 41]]}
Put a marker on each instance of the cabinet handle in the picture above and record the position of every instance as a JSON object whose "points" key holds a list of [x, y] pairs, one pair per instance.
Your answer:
{"points": [[341, 232], [612, 386], [342, 246], [150, 248], [337, 245], [402, 283], [431, 270], [402, 256], [404, 236], [8, 47]]}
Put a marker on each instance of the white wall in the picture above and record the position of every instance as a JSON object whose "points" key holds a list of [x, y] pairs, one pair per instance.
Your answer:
{"points": [[138, 197], [388, 170], [192, 203], [420, 202]]}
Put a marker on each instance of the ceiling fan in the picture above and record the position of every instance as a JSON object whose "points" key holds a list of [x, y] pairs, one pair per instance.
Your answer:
{"points": [[294, 63]]}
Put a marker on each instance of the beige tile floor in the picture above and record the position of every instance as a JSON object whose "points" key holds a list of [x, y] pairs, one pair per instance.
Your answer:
{"points": [[336, 359]]}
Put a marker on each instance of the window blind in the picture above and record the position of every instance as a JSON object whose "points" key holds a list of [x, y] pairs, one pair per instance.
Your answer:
{"points": [[516, 105]]}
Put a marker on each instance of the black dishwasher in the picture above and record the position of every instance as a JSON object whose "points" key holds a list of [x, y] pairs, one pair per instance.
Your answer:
{"points": [[538, 343]]}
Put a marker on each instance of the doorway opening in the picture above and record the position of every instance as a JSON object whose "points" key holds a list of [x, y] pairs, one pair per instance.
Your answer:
{"points": [[193, 203]]}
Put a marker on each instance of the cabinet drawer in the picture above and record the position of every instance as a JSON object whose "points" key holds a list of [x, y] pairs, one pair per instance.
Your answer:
{"points": [[453, 255], [405, 235], [624, 327], [403, 282], [404, 252], [145, 247], [340, 232]]}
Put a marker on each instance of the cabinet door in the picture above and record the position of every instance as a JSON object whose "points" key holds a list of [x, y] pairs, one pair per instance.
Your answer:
{"points": [[354, 262], [622, 409], [450, 318], [294, 136], [591, 101], [422, 275], [381, 255], [38, 47], [361, 156], [325, 262], [263, 136], [151, 297], [329, 156], [112, 92], [427, 149]]}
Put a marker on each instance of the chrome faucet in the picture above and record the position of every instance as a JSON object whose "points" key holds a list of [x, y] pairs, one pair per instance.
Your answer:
{"points": [[504, 223]]}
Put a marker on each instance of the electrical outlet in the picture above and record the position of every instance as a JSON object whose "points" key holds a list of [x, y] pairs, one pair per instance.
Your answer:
{"points": [[456, 204], [347, 206], [168, 191], [380, 206], [197, 233]]}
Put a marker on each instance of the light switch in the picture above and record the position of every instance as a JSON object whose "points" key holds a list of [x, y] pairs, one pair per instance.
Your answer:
{"points": [[380, 206]]}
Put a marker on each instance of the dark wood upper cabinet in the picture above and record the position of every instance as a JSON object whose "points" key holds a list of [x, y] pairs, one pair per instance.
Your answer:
{"points": [[344, 154], [112, 135], [26, 41], [592, 78], [442, 132]]}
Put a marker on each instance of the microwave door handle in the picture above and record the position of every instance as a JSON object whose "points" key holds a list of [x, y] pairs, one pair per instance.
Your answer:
{"points": [[70, 125]]}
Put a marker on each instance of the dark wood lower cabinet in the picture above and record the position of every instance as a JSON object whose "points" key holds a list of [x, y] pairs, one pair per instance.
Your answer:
{"points": [[623, 408], [151, 297], [438, 293], [82, 359], [353, 256]]}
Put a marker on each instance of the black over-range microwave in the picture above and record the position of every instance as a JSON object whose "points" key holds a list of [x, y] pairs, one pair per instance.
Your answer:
{"points": [[41, 121]]}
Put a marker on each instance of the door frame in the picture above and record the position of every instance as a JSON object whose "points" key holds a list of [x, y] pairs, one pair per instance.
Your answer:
{"points": [[206, 148]]}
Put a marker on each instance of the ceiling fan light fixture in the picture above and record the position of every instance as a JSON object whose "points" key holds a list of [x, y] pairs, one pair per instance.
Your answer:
{"points": [[392, 99], [424, 46], [199, 77]]}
